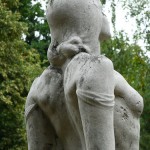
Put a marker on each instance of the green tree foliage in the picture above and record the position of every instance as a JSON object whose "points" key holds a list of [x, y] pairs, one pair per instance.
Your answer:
{"points": [[139, 9], [18, 67], [103, 1], [130, 59], [20, 63], [38, 36]]}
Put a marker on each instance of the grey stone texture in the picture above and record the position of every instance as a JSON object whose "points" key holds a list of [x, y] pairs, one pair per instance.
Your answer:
{"points": [[80, 102]]}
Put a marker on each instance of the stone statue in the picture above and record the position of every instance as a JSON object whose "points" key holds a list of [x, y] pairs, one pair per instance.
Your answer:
{"points": [[80, 102]]}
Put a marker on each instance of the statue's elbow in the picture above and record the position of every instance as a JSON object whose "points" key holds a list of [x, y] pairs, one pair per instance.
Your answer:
{"points": [[140, 105]]}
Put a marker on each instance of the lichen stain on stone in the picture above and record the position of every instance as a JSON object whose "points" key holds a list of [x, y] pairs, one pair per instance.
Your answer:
{"points": [[47, 147], [89, 88], [51, 2], [54, 47], [131, 144], [125, 115], [81, 81]]}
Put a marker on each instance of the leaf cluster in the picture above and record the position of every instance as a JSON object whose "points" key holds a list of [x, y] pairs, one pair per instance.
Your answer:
{"points": [[131, 61], [18, 67]]}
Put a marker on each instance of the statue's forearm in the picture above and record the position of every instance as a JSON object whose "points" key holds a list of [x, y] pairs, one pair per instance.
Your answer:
{"points": [[95, 98], [40, 133]]}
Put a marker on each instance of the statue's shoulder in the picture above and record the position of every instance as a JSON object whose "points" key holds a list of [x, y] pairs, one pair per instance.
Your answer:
{"points": [[37, 82], [86, 58]]}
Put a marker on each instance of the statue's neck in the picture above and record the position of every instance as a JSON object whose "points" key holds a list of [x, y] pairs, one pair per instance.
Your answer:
{"points": [[94, 47]]}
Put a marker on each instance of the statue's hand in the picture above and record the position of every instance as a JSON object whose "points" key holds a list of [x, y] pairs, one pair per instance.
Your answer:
{"points": [[72, 47], [57, 56]]}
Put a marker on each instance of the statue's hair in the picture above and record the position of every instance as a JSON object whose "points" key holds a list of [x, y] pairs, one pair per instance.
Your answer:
{"points": [[105, 30]]}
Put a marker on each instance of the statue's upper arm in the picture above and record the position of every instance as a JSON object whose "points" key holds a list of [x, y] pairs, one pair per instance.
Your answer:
{"points": [[133, 99]]}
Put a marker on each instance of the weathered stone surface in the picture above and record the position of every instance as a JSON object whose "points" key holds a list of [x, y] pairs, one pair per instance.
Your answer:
{"points": [[80, 102]]}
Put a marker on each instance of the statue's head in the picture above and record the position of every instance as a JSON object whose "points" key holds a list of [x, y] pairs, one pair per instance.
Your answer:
{"points": [[83, 18]]}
